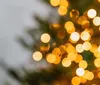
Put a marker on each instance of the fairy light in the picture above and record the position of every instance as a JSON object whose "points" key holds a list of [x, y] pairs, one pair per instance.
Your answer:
{"points": [[76, 80], [80, 72], [55, 2], [86, 46], [79, 48], [96, 21], [97, 62], [37, 56], [45, 38], [69, 26], [85, 36], [66, 62], [92, 13], [51, 58], [62, 10], [83, 64], [75, 36]]}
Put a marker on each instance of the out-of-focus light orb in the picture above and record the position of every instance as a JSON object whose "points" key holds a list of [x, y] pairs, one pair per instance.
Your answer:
{"points": [[85, 36], [75, 36], [56, 51], [66, 62], [99, 75], [93, 48], [98, 48], [64, 3], [51, 58], [97, 62], [79, 48], [45, 38], [96, 21], [80, 71], [83, 80], [97, 53], [76, 80], [86, 46], [78, 58], [55, 2], [70, 49], [91, 13], [98, 1], [62, 10], [81, 19], [37, 56], [83, 64], [69, 26], [90, 75], [58, 59], [71, 56]]}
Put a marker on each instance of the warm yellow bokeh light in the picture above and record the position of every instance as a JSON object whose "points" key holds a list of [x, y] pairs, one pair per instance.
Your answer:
{"points": [[62, 10], [97, 62], [96, 21], [99, 75], [80, 71], [92, 13], [85, 36], [75, 36], [51, 58], [55, 2], [64, 3], [70, 49], [81, 19], [37, 56], [71, 56], [69, 26], [83, 80], [76, 80], [66, 62], [98, 48], [86, 46], [90, 76], [97, 53], [78, 58], [79, 48], [93, 48], [56, 51], [58, 59], [45, 38], [83, 64]]}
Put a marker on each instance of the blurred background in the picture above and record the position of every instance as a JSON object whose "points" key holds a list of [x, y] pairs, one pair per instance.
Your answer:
{"points": [[15, 16]]}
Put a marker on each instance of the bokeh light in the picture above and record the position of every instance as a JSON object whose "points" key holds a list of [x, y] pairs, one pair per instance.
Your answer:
{"points": [[92, 13], [75, 36], [96, 21], [66, 62], [62, 10], [78, 58], [71, 56], [80, 71], [45, 38], [97, 62], [86, 46], [55, 2], [85, 36], [83, 64], [79, 48], [64, 3], [37, 56], [76, 80]]}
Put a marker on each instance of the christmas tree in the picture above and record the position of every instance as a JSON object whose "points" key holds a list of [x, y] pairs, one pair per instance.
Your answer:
{"points": [[68, 40]]}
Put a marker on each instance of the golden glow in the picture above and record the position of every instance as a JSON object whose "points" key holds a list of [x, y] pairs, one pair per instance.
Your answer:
{"points": [[61, 34], [93, 48], [98, 1], [66, 62], [37, 56], [99, 75], [83, 80], [81, 19], [85, 36], [62, 10], [78, 58], [98, 48], [51, 58], [96, 21], [86, 46], [56, 51], [75, 36], [83, 64], [79, 48], [97, 53], [71, 56], [55, 2], [74, 14], [70, 49], [69, 26], [45, 38], [80, 72], [97, 62], [64, 3], [90, 75], [58, 59], [92, 13], [45, 48], [76, 80]]}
